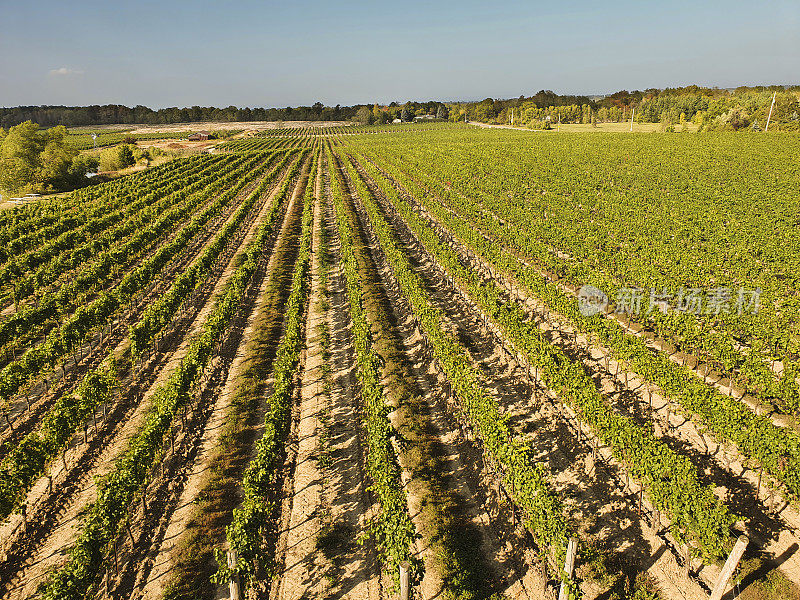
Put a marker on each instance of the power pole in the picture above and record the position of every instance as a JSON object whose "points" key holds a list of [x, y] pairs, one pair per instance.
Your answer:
{"points": [[633, 112], [771, 106]]}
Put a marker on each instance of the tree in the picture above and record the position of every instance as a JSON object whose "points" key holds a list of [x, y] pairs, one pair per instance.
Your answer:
{"points": [[484, 110], [81, 165], [19, 157], [442, 112], [363, 115], [126, 158], [379, 116], [406, 115], [56, 159], [32, 159]]}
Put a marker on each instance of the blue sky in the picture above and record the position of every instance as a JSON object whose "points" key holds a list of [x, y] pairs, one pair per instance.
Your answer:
{"points": [[249, 53]]}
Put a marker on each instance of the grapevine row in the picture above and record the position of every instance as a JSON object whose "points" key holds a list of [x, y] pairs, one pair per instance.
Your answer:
{"points": [[394, 531], [115, 257], [669, 479], [27, 461], [149, 206], [740, 345], [161, 312], [101, 217], [777, 449], [69, 335], [31, 225], [253, 517]]}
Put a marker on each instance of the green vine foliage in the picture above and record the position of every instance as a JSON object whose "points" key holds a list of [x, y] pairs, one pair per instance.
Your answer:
{"points": [[89, 317], [161, 312], [776, 449], [22, 465]]}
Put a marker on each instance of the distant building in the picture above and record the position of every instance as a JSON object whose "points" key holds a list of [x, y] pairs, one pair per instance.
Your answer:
{"points": [[397, 121], [200, 136], [424, 117]]}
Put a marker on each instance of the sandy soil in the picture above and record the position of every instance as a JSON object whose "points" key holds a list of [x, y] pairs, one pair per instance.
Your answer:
{"points": [[299, 571], [180, 144], [215, 125], [588, 128], [252, 343], [334, 565], [160, 532], [305, 563]]}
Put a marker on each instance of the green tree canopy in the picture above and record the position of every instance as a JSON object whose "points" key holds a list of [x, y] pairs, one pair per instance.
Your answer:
{"points": [[126, 158], [363, 116], [40, 160]]}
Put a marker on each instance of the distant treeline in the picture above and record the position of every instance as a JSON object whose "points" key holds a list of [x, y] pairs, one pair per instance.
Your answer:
{"points": [[112, 114], [709, 108], [108, 114]]}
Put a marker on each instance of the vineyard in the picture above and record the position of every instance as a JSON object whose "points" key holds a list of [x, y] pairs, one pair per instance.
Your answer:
{"points": [[84, 141], [357, 362]]}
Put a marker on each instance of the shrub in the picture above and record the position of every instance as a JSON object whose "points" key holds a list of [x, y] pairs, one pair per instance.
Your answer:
{"points": [[125, 156]]}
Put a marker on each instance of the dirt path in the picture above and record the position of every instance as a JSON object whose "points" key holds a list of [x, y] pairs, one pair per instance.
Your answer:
{"points": [[328, 563], [49, 554]]}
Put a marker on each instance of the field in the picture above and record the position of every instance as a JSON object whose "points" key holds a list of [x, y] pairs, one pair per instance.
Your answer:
{"points": [[326, 355], [84, 141]]}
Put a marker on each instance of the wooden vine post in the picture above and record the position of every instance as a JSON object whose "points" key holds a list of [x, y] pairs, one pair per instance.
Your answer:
{"points": [[233, 582], [687, 560], [730, 566], [569, 565], [405, 586]]}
